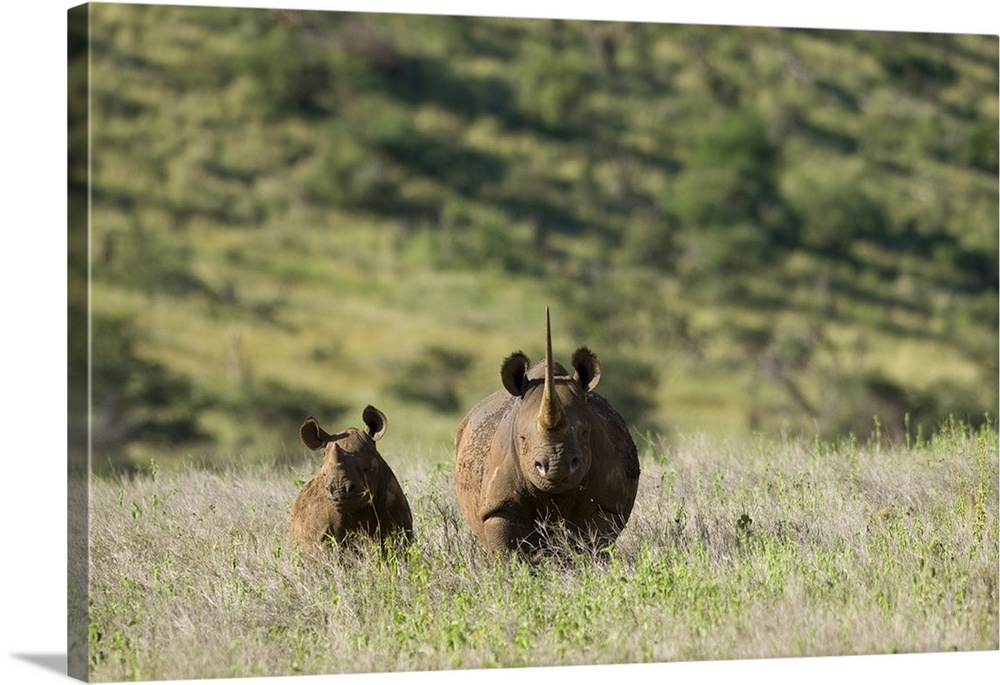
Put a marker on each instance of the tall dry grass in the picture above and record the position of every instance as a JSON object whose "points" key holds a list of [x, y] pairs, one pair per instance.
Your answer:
{"points": [[775, 548]]}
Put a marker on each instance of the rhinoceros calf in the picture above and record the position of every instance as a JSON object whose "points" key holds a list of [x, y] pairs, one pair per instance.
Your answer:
{"points": [[545, 448], [355, 493]]}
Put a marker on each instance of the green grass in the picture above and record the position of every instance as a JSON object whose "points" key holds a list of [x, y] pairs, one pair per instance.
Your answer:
{"points": [[769, 548]]}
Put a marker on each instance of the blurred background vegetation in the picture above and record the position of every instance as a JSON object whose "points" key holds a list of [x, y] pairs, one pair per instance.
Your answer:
{"points": [[756, 229]]}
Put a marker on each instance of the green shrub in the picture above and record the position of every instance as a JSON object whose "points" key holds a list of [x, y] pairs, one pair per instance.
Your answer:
{"points": [[136, 400], [553, 87], [433, 379], [834, 213], [981, 145]]}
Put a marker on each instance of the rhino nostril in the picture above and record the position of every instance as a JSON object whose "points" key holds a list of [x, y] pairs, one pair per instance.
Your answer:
{"points": [[541, 467], [574, 465], [342, 489]]}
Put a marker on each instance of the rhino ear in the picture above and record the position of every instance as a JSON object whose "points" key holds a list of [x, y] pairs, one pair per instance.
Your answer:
{"points": [[514, 373], [588, 368], [375, 422], [312, 435]]}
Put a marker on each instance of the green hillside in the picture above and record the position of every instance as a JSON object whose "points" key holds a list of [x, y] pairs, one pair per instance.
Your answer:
{"points": [[305, 212]]}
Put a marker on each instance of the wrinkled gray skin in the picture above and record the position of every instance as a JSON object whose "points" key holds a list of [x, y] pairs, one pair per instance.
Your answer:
{"points": [[355, 492], [536, 451]]}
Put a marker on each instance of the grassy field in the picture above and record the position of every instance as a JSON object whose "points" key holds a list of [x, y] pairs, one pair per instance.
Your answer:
{"points": [[766, 548]]}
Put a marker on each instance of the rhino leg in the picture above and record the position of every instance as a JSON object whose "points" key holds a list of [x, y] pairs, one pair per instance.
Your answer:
{"points": [[503, 532], [308, 533], [310, 515]]}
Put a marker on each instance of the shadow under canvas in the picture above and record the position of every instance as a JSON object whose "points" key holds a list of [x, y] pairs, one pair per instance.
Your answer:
{"points": [[50, 662]]}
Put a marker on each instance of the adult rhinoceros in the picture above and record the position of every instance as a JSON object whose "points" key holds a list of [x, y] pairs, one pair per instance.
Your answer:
{"points": [[545, 449]]}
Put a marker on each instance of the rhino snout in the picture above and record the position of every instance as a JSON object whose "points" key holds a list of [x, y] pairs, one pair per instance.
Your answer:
{"points": [[557, 474], [547, 469], [343, 490]]}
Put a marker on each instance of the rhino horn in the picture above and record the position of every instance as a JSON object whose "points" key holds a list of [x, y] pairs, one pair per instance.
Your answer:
{"points": [[551, 415]]}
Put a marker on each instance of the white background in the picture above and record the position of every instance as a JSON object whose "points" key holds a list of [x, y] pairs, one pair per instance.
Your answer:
{"points": [[33, 332]]}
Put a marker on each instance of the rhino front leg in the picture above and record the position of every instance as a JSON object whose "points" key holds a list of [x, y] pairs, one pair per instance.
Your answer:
{"points": [[503, 532]]}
